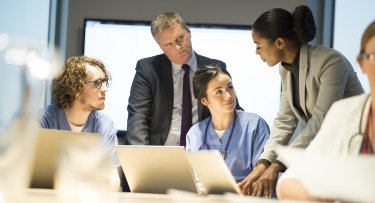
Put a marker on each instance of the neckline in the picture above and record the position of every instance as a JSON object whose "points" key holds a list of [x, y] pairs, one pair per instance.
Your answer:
{"points": [[223, 153], [219, 133]]}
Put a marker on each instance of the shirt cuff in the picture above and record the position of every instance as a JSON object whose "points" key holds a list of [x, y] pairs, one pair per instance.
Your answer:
{"points": [[283, 167], [264, 162]]}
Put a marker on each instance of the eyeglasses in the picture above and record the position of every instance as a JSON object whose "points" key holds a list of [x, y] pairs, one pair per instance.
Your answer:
{"points": [[370, 57], [98, 83]]}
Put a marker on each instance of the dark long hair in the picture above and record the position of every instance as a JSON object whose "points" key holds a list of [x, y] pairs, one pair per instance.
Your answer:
{"points": [[298, 27]]}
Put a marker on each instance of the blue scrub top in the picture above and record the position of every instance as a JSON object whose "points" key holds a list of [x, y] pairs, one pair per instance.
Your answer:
{"points": [[53, 117], [249, 136]]}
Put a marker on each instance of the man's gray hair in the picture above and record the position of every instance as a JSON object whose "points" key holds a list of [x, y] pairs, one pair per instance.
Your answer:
{"points": [[164, 21]]}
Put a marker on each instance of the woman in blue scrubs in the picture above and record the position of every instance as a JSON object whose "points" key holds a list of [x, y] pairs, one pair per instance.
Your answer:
{"points": [[238, 135]]}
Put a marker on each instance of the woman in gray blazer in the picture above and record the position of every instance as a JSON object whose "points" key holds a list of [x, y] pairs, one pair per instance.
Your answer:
{"points": [[313, 77], [347, 130]]}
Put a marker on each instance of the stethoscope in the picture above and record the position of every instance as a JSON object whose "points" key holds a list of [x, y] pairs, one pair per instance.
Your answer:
{"points": [[205, 146], [360, 133]]}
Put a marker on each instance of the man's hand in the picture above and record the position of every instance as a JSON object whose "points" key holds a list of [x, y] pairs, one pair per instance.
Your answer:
{"points": [[263, 187], [246, 184]]}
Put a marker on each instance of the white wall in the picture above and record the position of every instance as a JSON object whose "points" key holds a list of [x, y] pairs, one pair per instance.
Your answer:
{"points": [[351, 19]]}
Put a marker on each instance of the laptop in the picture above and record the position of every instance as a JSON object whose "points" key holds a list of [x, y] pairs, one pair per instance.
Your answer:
{"points": [[46, 153], [156, 169], [212, 172]]}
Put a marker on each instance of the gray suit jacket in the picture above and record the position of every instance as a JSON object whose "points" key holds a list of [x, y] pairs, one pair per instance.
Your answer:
{"points": [[151, 100], [325, 76]]}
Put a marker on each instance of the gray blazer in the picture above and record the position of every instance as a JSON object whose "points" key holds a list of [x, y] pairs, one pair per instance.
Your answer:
{"points": [[151, 100], [325, 76]]}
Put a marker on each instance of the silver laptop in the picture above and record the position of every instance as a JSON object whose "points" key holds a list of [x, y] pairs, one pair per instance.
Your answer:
{"points": [[155, 169], [212, 172], [46, 154]]}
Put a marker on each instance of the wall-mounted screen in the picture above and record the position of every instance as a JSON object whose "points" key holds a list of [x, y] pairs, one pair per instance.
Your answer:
{"points": [[120, 44]]}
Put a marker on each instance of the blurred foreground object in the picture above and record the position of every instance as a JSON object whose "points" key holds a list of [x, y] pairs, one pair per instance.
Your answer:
{"points": [[84, 172], [25, 65]]}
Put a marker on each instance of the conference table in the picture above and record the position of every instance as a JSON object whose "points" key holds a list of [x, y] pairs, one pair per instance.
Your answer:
{"points": [[49, 195]]}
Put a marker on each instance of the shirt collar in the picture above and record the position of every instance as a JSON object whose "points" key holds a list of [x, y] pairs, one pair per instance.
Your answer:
{"points": [[176, 68]]}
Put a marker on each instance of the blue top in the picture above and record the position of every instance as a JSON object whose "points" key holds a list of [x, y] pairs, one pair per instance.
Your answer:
{"points": [[249, 136], [53, 117]]}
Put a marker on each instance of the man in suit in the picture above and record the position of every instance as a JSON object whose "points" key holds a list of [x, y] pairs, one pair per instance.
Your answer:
{"points": [[155, 101]]}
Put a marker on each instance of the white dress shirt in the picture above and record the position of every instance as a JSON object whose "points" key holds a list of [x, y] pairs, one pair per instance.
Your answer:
{"points": [[178, 75]]}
